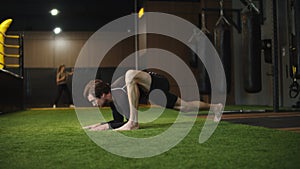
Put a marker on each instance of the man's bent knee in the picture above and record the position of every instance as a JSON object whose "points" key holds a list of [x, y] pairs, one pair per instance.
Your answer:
{"points": [[130, 76]]}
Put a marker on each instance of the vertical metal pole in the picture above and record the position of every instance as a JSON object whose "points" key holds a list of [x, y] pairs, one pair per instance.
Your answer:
{"points": [[136, 35], [297, 28], [275, 63], [21, 63], [21, 53]]}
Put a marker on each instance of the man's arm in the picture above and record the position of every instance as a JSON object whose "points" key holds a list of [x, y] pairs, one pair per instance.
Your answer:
{"points": [[118, 119]]}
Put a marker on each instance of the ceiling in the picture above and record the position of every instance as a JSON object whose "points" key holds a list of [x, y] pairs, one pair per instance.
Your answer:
{"points": [[75, 15]]}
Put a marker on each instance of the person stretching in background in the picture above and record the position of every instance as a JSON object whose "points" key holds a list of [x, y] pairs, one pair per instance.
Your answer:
{"points": [[61, 82]]}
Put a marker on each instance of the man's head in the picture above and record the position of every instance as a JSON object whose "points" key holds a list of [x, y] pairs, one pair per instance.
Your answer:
{"points": [[97, 92]]}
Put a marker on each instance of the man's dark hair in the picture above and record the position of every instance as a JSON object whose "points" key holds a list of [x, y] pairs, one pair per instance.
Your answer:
{"points": [[101, 88]]}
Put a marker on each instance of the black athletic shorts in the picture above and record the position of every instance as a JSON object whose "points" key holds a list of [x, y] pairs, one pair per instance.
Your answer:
{"points": [[121, 104], [160, 82]]}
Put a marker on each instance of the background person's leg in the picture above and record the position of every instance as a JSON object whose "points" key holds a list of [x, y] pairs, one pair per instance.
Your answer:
{"points": [[69, 95], [58, 95]]}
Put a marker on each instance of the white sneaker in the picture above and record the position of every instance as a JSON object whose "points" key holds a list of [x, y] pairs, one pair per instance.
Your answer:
{"points": [[72, 106], [54, 106]]}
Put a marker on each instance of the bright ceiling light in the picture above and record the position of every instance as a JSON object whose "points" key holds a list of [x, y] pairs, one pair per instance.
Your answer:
{"points": [[57, 30], [54, 12]]}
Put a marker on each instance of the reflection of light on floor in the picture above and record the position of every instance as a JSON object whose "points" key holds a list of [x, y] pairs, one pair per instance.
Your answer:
{"points": [[294, 129]]}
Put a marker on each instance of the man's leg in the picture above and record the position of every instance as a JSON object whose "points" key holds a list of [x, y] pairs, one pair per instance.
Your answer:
{"points": [[134, 79], [100, 127], [187, 106], [91, 126]]}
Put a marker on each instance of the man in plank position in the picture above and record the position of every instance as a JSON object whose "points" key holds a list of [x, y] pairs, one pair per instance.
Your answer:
{"points": [[129, 90]]}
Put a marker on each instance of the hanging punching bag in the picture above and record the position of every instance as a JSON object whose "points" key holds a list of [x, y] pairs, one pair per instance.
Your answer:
{"points": [[251, 51], [204, 83], [222, 38], [222, 41]]}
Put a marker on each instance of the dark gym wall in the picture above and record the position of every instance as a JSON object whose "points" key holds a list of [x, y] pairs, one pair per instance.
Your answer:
{"points": [[265, 96], [47, 50], [191, 12], [11, 88], [44, 52], [238, 95], [286, 27]]}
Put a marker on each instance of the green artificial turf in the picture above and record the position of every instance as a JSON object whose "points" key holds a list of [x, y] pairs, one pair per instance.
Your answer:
{"points": [[54, 139]]}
